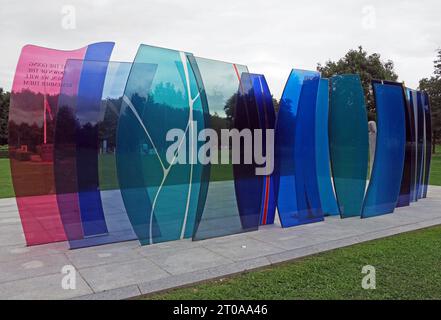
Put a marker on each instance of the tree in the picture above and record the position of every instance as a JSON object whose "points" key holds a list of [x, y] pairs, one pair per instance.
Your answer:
{"points": [[432, 86], [369, 67], [4, 112]]}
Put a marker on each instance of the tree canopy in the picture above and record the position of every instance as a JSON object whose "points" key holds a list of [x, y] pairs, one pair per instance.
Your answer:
{"points": [[432, 86], [368, 66]]}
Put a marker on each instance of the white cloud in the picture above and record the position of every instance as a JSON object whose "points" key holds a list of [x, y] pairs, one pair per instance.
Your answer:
{"points": [[271, 37]]}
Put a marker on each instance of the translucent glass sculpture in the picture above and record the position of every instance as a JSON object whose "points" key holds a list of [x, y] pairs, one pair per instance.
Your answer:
{"points": [[161, 117], [421, 143], [385, 182], [33, 111], [298, 199], [428, 135], [348, 142], [324, 177], [412, 100], [226, 210], [267, 117], [408, 177], [86, 126]]}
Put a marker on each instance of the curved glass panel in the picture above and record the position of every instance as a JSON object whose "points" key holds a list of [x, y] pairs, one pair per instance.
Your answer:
{"points": [[221, 215], [161, 116], [348, 143], [298, 199], [267, 118], [248, 185], [33, 109], [65, 150], [412, 100], [420, 143], [90, 90], [408, 178], [428, 154], [385, 182], [326, 189], [102, 123]]}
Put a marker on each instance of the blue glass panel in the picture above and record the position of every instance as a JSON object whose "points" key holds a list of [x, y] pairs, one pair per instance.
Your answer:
{"points": [[248, 185], [420, 143], [221, 215], [412, 100], [408, 178], [326, 189], [348, 142], [385, 182], [298, 199], [90, 90], [428, 154], [157, 168], [267, 118], [65, 166], [66, 169]]}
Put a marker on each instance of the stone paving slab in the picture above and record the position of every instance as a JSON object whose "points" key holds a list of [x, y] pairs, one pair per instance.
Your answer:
{"points": [[124, 270]]}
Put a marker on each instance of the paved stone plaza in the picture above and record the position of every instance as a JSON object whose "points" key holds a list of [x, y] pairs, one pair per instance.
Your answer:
{"points": [[123, 270]]}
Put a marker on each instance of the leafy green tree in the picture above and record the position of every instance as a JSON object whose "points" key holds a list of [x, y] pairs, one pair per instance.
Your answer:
{"points": [[369, 67], [4, 111], [432, 86]]}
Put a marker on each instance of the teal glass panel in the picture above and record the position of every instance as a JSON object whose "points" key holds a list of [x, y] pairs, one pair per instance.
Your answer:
{"points": [[385, 182], [326, 189], [161, 117], [220, 215], [348, 143]]}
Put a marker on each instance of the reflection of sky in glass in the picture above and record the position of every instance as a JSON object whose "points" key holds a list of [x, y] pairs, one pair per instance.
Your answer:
{"points": [[114, 84], [116, 78], [220, 82]]}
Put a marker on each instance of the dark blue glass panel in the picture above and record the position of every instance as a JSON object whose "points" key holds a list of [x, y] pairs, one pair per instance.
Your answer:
{"points": [[65, 165], [413, 102], [420, 144], [349, 143], [408, 178], [428, 154], [90, 90], [267, 118], [221, 215], [161, 118], [385, 182], [326, 189], [248, 185], [298, 199]]}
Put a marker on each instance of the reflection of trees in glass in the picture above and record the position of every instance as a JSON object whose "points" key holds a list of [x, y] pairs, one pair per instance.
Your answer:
{"points": [[107, 127], [26, 122]]}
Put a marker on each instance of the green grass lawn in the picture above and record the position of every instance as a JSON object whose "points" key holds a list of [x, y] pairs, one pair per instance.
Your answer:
{"points": [[107, 174], [435, 168], [408, 266], [109, 181]]}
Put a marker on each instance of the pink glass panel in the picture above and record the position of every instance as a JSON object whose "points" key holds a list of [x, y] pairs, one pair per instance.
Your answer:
{"points": [[33, 109]]}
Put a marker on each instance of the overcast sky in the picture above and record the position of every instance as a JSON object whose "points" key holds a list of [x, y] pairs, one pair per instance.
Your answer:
{"points": [[269, 36]]}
